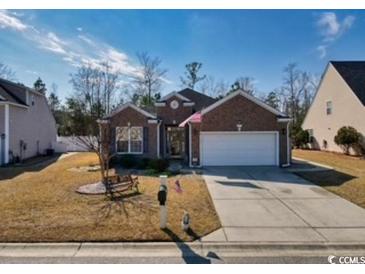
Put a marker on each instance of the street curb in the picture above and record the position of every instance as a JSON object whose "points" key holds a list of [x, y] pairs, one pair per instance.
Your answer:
{"points": [[237, 249]]}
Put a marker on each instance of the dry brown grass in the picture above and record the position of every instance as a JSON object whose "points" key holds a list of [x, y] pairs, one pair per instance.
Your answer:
{"points": [[42, 205], [348, 178]]}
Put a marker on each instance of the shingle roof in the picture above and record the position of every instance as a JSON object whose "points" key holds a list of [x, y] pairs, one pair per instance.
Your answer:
{"points": [[201, 100], [12, 92], [353, 72]]}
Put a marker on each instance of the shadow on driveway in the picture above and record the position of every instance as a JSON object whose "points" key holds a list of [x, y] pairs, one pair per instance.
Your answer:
{"points": [[301, 173], [239, 184]]}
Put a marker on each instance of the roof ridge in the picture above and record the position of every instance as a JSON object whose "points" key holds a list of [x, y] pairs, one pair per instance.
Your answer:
{"points": [[21, 85]]}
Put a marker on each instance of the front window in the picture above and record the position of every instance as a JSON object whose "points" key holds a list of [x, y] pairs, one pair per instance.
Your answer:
{"points": [[329, 107], [129, 139]]}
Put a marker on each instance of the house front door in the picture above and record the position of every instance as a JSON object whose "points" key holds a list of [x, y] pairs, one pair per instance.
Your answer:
{"points": [[175, 142]]}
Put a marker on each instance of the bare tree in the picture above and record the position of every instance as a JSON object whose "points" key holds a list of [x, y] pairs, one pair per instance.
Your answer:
{"points": [[96, 87], [192, 75], [6, 72], [149, 79], [94, 93], [244, 83], [295, 84], [309, 91], [214, 88], [109, 84]]}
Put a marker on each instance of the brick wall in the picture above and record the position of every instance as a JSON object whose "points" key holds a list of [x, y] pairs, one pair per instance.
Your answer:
{"points": [[168, 115], [135, 118], [252, 117]]}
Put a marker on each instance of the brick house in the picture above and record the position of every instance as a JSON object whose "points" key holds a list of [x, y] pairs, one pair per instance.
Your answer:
{"points": [[238, 129]]}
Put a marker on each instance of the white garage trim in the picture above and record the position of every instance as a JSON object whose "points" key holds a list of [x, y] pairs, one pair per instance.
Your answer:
{"points": [[277, 144]]}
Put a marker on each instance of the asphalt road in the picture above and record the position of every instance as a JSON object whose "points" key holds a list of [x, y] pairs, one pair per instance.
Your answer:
{"points": [[164, 260]]}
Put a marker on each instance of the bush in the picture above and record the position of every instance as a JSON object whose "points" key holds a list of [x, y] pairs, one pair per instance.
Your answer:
{"points": [[159, 165], [128, 161], [301, 138], [143, 163], [348, 137]]}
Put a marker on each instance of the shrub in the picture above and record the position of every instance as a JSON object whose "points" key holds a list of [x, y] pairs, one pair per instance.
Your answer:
{"points": [[301, 138], [143, 163], [159, 165], [348, 137], [128, 161]]}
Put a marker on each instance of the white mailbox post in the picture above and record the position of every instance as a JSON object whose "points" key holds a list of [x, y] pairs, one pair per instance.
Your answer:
{"points": [[162, 198]]}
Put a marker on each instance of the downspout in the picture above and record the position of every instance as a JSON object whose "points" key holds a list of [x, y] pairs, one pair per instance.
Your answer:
{"points": [[287, 147]]}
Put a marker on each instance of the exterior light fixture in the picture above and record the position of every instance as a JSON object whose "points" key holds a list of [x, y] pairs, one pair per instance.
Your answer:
{"points": [[239, 125]]}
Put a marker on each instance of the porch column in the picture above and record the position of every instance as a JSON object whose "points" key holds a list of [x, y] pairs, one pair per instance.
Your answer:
{"points": [[7, 132]]}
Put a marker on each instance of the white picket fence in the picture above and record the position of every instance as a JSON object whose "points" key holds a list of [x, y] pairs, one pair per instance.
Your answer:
{"points": [[69, 144]]}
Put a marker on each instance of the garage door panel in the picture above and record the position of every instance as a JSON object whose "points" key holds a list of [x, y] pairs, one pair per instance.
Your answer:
{"points": [[239, 149]]}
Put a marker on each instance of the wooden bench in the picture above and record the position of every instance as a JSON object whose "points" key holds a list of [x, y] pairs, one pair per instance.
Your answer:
{"points": [[118, 183]]}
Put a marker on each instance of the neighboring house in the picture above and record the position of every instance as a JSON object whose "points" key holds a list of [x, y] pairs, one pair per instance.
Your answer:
{"points": [[27, 126], [339, 101], [236, 130]]}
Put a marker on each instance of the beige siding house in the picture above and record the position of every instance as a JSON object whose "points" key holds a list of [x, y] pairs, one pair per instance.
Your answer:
{"points": [[340, 101], [27, 126]]}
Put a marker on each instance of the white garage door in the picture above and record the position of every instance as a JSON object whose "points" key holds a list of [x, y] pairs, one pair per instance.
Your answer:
{"points": [[238, 148]]}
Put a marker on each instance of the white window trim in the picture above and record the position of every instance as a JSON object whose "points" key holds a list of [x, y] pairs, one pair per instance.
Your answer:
{"points": [[188, 104], [129, 142], [160, 104]]}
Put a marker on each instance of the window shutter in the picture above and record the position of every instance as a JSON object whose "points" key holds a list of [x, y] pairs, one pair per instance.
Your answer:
{"points": [[145, 140], [112, 140]]}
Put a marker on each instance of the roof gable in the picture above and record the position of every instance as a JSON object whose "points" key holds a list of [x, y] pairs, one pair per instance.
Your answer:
{"points": [[172, 94], [201, 100], [353, 73], [127, 105], [246, 95]]}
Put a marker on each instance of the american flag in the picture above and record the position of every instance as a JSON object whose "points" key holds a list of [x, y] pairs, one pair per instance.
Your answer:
{"points": [[178, 187]]}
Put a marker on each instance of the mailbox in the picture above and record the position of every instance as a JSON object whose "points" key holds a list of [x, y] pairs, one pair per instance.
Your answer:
{"points": [[162, 195]]}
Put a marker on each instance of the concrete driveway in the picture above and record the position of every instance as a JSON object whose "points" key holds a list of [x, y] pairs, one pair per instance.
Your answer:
{"points": [[270, 204]]}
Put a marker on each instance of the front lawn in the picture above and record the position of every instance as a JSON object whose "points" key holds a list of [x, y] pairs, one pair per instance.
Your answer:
{"points": [[40, 204], [347, 180]]}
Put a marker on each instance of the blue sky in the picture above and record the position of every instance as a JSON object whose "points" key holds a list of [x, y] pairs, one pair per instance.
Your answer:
{"points": [[229, 43]]}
